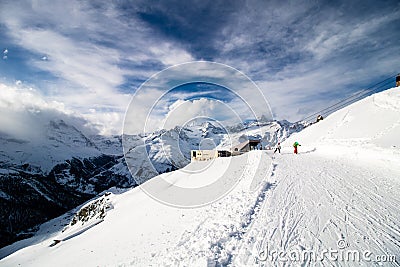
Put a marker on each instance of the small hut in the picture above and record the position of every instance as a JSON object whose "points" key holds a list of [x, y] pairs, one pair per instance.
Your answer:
{"points": [[398, 80], [200, 155]]}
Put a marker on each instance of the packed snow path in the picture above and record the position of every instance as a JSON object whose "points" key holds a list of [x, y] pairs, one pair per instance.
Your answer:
{"points": [[310, 203], [321, 204]]}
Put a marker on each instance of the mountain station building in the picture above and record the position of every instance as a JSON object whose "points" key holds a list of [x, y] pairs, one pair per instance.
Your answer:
{"points": [[201, 155], [245, 147]]}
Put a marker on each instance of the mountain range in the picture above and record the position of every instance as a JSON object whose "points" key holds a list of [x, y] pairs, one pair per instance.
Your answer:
{"points": [[44, 176]]}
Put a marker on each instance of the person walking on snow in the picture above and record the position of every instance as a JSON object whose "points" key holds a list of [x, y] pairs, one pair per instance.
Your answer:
{"points": [[278, 148], [295, 145]]}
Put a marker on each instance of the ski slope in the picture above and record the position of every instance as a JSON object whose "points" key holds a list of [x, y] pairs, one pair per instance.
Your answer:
{"points": [[332, 204], [337, 202]]}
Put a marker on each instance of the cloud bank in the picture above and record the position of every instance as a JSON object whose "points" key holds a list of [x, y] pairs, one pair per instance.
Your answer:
{"points": [[26, 115]]}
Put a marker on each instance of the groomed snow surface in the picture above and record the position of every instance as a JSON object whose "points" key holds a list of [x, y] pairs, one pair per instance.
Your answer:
{"points": [[336, 203]]}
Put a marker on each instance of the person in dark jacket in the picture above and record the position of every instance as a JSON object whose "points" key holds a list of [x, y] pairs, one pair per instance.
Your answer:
{"points": [[278, 148]]}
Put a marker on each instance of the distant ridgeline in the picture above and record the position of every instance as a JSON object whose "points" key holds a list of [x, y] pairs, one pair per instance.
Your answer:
{"points": [[40, 180]]}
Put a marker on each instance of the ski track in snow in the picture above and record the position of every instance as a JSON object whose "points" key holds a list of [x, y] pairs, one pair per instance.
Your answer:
{"points": [[306, 202], [318, 201], [214, 241]]}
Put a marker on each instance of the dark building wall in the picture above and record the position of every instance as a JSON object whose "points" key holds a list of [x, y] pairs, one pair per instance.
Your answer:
{"points": [[246, 148]]}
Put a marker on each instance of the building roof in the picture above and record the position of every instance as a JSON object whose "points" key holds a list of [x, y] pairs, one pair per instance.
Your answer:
{"points": [[242, 145]]}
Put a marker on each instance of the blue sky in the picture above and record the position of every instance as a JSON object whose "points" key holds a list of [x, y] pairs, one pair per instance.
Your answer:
{"points": [[89, 57]]}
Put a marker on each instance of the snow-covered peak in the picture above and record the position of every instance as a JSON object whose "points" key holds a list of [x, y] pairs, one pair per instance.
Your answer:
{"points": [[59, 142], [209, 129], [64, 134]]}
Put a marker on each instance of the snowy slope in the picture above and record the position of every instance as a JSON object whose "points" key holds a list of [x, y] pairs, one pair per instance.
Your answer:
{"points": [[321, 203], [59, 165], [139, 229], [331, 197], [368, 129], [341, 194]]}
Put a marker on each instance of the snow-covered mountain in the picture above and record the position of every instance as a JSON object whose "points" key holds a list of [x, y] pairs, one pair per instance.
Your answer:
{"points": [[59, 142], [44, 175], [168, 150], [338, 200]]}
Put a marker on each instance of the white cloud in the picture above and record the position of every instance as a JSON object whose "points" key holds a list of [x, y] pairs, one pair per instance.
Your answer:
{"points": [[92, 68], [151, 108], [332, 37], [25, 113], [183, 111], [85, 49], [331, 59], [169, 55], [93, 51]]}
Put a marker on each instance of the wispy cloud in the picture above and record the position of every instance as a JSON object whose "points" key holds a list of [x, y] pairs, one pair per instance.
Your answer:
{"points": [[306, 55], [92, 56], [90, 50]]}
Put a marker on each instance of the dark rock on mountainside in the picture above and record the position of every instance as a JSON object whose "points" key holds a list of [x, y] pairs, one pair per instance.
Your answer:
{"points": [[29, 199]]}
